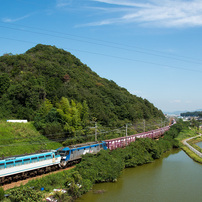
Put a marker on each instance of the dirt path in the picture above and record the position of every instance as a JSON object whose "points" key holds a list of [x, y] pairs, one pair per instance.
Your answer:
{"points": [[23, 182]]}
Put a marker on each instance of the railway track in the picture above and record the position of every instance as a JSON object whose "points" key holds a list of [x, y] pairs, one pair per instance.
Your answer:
{"points": [[23, 182]]}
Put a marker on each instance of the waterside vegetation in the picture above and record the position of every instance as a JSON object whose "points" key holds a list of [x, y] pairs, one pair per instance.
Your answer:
{"points": [[188, 134], [106, 166]]}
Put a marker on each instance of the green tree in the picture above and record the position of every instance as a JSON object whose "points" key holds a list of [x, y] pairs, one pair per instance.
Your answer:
{"points": [[4, 83]]}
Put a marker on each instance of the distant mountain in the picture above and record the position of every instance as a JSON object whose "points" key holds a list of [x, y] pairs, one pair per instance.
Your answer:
{"points": [[175, 112], [46, 72]]}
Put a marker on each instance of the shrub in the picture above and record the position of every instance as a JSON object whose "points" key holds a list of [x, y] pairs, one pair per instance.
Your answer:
{"points": [[1, 193], [25, 194]]}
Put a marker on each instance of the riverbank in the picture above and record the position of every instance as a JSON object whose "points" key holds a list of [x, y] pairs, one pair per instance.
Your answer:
{"points": [[166, 179], [191, 154], [188, 140]]}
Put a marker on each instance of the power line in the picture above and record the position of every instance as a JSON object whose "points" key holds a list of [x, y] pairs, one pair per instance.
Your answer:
{"points": [[113, 56], [54, 140], [151, 52], [57, 134]]}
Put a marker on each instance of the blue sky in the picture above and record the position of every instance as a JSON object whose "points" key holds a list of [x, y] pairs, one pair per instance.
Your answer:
{"points": [[152, 48]]}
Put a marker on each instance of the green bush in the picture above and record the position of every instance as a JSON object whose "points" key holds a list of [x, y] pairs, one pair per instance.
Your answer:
{"points": [[1, 193], [25, 194], [101, 167], [61, 197]]}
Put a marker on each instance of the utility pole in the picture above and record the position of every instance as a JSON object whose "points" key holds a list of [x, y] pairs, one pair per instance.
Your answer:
{"points": [[126, 129], [95, 127], [144, 124], [126, 134], [95, 132]]}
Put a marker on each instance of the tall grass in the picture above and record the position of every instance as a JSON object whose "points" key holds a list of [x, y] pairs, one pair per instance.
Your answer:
{"points": [[21, 138]]}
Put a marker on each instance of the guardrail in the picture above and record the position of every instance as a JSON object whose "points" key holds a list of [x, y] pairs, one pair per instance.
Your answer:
{"points": [[192, 148]]}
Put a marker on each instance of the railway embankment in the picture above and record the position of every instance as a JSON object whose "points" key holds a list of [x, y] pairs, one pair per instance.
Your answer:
{"points": [[22, 138]]}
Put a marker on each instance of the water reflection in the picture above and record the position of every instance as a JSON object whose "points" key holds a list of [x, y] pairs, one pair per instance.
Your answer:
{"points": [[174, 177]]}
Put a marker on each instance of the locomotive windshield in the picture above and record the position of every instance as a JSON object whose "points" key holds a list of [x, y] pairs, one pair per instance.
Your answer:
{"points": [[64, 153]]}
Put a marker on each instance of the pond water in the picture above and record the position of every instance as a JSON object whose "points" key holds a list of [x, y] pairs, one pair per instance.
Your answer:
{"points": [[173, 178], [199, 144]]}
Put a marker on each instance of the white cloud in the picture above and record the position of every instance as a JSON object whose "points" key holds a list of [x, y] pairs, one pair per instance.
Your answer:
{"points": [[166, 13], [15, 19], [188, 102], [63, 3], [123, 3], [175, 101]]}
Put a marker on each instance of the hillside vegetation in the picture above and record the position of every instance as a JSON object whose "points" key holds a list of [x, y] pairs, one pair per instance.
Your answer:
{"points": [[63, 96], [21, 138]]}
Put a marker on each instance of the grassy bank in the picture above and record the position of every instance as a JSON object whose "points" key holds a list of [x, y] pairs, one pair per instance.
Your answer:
{"points": [[188, 133], [21, 138], [191, 154], [193, 142]]}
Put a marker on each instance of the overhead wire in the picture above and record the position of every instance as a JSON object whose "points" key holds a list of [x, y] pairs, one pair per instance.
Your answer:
{"points": [[53, 140], [117, 57], [50, 141], [151, 51], [57, 134], [137, 60]]}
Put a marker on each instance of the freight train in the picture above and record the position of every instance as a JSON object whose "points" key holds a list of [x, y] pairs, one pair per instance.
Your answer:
{"points": [[24, 166], [124, 141]]}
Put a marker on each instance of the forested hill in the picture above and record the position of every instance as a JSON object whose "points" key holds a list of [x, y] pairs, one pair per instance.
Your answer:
{"points": [[46, 73]]}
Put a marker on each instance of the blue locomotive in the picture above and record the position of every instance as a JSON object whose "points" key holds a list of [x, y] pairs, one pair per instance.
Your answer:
{"points": [[73, 153]]}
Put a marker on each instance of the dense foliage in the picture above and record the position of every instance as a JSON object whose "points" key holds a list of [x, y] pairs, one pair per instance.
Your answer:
{"points": [[47, 73], [173, 133], [25, 194], [65, 120], [192, 114]]}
